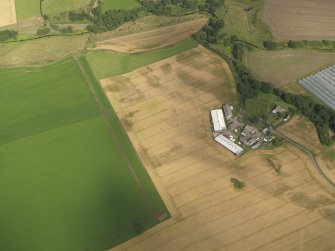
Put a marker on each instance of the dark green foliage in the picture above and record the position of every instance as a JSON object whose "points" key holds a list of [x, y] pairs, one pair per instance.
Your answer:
{"points": [[169, 7], [66, 30], [322, 116], [6, 35], [77, 16], [54, 27], [112, 19], [237, 183], [43, 31], [270, 45], [238, 51]]}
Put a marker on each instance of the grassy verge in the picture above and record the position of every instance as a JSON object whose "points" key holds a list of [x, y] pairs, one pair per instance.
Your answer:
{"points": [[108, 64]]}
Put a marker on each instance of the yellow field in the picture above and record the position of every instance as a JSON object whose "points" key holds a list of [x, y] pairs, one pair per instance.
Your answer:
{"points": [[300, 19], [7, 12], [153, 39], [304, 132], [165, 109]]}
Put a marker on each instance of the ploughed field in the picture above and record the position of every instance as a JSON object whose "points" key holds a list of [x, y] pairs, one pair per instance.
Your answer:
{"points": [[322, 86], [70, 179], [300, 19], [153, 39], [165, 108]]}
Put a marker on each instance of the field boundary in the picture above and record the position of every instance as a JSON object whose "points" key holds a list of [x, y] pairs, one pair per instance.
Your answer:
{"points": [[103, 102]]}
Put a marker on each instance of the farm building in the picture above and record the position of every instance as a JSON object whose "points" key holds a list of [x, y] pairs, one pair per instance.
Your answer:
{"points": [[227, 111], [218, 120], [231, 146], [322, 86]]}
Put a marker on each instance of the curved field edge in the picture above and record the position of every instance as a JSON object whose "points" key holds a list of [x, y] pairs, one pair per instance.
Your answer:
{"points": [[153, 39], [108, 64]]}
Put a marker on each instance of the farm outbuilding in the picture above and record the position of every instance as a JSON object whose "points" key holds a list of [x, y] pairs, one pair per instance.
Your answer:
{"points": [[227, 111], [218, 120], [231, 146]]}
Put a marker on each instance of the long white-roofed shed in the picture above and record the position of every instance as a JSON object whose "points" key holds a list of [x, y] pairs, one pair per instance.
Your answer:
{"points": [[218, 120], [229, 144]]}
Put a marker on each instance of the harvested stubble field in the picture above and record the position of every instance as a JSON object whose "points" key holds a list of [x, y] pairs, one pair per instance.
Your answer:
{"points": [[300, 19], [304, 132], [165, 110], [284, 67], [8, 12], [70, 179], [152, 39]]}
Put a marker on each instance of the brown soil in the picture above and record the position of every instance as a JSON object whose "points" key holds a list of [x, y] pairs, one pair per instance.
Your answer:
{"points": [[167, 104], [300, 19], [153, 39]]}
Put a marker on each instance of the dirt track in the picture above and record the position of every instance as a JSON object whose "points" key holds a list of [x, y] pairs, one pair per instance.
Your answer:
{"points": [[300, 19], [152, 39], [8, 12], [165, 109]]}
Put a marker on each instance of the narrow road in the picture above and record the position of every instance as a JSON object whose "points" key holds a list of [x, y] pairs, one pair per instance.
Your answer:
{"points": [[309, 153]]}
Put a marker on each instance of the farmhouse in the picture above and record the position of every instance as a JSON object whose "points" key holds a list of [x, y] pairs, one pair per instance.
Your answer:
{"points": [[218, 120], [227, 111], [237, 150]]}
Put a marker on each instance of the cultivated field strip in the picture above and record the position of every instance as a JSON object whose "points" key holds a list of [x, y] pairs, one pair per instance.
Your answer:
{"points": [[172, 134], [300, 19], [322, 85], [152, 39]]}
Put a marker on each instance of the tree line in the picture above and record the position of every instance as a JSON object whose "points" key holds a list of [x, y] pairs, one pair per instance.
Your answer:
{"points": [[322, 116], [6, 35]]}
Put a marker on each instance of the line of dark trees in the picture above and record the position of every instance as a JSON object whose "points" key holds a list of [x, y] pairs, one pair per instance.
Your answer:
{"points": [[169, 7], [322, 116], [274, 45], [6, 35]]}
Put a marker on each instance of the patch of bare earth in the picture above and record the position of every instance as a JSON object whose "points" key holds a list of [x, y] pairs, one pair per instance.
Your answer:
{"points": [[164, 108], [152, 39], [300, 19], [7, 12]]}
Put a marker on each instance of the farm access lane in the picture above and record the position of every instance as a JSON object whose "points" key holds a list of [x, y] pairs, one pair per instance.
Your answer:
{"points": [[310, 155]]}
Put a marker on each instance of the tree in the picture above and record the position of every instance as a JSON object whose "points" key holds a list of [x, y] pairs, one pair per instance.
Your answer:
{"points": [[43, 31], [6, 35], [237, 183]]}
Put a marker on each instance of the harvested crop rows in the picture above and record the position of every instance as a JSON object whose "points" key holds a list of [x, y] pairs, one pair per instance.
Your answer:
{"points": [[165, 110], [300, 19], [152, 39], [8, 12]]}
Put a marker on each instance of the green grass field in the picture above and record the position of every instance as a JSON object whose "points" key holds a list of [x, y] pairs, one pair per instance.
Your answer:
{"points": [[282, 67], [119, 5], [108, 64], [53, 7], [27, 9], [66, 182]]}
